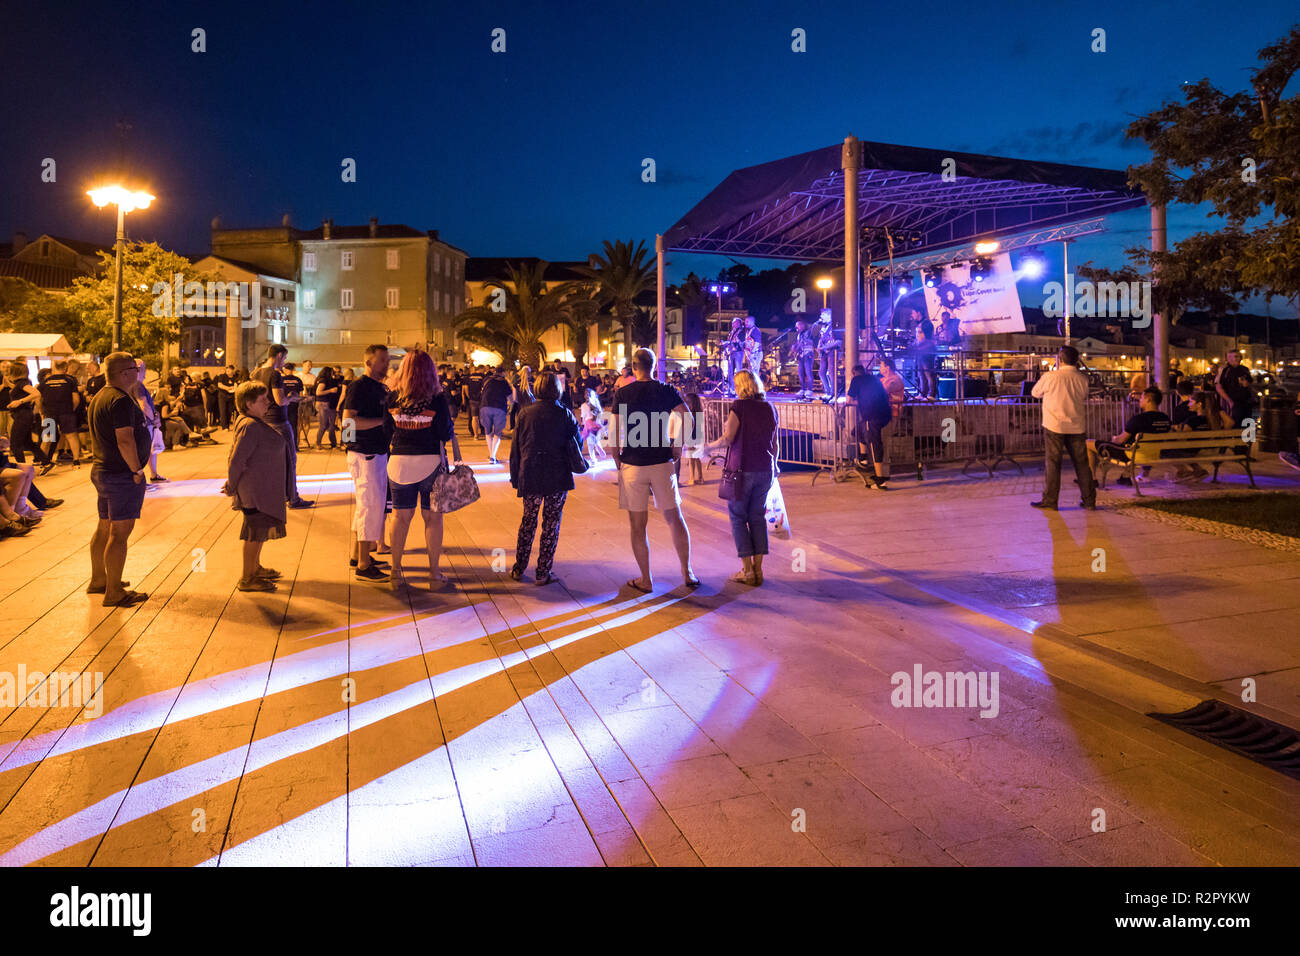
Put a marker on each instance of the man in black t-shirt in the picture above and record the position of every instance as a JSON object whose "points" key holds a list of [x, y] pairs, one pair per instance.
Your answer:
{"points": [[269, 374], [874, 413], [473, 394], [648, 419], [226, 395], [60, 396], [1149, 421], [1235, 388], [120, 440], [293, 389], [366, 436]]}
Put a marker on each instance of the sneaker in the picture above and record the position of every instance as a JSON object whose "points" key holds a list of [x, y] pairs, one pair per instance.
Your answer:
{"points": [[157, 479], [371, 573], [1088, 505], [46, 469], [381, 565], [1042, 506], [301, 503], [1124, 480]]}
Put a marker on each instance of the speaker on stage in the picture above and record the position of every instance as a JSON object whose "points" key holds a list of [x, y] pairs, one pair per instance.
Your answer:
{"points": [[693, 325]]}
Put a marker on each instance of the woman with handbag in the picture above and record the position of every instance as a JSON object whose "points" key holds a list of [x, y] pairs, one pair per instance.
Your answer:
{"points": [[545, 453], [749, 436], [421, 425], [329, 387]]}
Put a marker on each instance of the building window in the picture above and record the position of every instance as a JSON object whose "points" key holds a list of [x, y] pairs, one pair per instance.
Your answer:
{"points": [[309, 262], [458, 305], [308, 336], [286, 294], [268, 293], [391, 258], [345, 298], [437, 263], [390, 298], [308, 299], [447, 266], [345, 336], [347, 259]]}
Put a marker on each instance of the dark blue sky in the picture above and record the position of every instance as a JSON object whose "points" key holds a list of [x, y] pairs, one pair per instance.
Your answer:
{"points": [[538, 151]]}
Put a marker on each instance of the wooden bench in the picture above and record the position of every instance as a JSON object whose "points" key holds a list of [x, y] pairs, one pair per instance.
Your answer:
{"points": [[1182, 448]]}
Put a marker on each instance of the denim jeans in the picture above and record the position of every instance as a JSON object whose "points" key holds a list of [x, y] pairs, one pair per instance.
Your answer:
{"points": [[1077, 445], [748, 511]]}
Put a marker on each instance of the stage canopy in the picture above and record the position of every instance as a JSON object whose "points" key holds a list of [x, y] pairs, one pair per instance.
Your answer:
{"points": [[793, 208]]}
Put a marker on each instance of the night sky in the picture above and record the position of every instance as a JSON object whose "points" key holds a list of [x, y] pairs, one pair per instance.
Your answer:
{"points": [[538, 151]]}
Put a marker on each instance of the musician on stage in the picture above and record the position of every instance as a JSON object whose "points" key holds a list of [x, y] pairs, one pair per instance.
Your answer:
{"points": [[828, 347], [753, 345], [734, 351], [804, 349]]}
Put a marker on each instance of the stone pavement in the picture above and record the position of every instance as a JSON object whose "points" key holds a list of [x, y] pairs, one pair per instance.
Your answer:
{"points": [[497, 723]]}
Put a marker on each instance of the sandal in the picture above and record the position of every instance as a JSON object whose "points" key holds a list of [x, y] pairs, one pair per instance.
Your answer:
{"points": [[692, 582], [516, 574], [636, 585], [257, 584], [269, 573], [129, 599], [744, 577]]}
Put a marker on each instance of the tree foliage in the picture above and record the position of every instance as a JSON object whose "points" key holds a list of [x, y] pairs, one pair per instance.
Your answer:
{"points": [[620, 276], [1239, 152], [529, 312]]}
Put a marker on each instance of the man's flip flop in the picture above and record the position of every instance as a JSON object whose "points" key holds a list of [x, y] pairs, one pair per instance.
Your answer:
{"points": [[637, 587], [692, 583], [129, 599], [103, 588]]}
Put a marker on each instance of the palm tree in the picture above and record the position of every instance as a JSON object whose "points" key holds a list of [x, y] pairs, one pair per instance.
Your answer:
{"points": [[620, 276], [530, 311], [583, 311]]}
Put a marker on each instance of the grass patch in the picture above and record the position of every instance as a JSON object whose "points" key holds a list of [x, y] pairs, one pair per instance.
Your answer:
{"points": [[1277, 512]]}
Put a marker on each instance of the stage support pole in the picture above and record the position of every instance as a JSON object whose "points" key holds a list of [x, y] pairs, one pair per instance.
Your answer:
{"points": [[1160, 329], [851, 160], [661, 298]]}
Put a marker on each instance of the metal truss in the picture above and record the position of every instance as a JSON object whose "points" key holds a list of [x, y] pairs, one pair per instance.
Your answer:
{"points": [[962, 253]]}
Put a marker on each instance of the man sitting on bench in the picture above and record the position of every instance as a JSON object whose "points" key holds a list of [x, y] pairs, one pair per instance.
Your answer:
{"points": [[1149, 421]]}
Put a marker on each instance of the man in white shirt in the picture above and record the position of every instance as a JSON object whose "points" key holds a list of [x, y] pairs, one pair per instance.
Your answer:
{"points": [[1064, 392]]}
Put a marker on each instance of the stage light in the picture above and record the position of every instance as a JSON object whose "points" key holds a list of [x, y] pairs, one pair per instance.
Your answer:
{"points": [[905, 281], [987, 247], [934, 277], [1033, 265], [980, 269], [824, 282]]}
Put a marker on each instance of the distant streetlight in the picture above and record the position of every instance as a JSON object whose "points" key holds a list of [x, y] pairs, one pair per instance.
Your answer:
{"points": [[126, 201], [824, 283]]}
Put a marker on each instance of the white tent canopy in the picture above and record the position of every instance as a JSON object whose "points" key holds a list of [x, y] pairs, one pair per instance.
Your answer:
{"points": [[31, 344]]}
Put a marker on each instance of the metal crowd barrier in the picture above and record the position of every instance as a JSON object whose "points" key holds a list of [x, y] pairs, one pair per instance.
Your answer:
{"points": [[924, 434]]}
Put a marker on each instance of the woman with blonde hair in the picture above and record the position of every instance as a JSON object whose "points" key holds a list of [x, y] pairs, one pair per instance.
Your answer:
{"points": [[749, 436], [421, 425], [257, 478]]}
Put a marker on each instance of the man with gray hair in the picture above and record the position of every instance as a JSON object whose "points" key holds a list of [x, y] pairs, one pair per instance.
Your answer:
{"points": [[645, 454], [1064, 392]]}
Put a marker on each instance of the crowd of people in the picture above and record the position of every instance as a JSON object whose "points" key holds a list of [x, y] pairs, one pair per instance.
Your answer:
{"points": [[396, 425]]}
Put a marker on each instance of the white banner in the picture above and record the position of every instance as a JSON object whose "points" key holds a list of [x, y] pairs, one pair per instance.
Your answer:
{"points": [[981, 308]]}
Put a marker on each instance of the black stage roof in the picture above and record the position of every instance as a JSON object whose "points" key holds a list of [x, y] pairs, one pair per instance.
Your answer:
{"points": [[793, 208]]}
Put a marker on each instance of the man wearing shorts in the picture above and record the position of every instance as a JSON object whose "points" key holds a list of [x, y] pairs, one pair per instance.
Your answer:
{"points": [[60, 395], [120, 440], [494, 400], [365, 407], [646, 447]]}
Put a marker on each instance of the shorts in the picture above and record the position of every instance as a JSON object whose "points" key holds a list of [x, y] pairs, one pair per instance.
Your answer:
{"points": [[473, 408], [405, 496], [637, 482], [493, 420], [67, 423], [370, 477], [120, 495]]}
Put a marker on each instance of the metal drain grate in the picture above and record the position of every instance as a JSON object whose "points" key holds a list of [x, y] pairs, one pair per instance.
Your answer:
{"points": [[1263, 741]]}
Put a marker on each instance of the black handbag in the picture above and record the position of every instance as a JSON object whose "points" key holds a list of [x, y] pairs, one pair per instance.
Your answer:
{"points": [[578, 463], [727, 487]]}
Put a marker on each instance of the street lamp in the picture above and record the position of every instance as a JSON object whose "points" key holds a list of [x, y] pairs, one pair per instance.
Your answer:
{"points": [[126, 201], [824, 283]]}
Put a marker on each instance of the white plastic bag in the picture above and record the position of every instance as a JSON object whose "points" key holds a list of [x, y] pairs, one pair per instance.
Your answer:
{"points": [[778, 519]]}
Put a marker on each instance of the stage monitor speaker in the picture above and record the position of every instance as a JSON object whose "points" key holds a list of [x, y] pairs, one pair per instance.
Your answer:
{"points": [[973, 388], [693, 325]]}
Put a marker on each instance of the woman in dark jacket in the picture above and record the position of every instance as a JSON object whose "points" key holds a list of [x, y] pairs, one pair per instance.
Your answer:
{"points": [[328, 390], [750, 439], [257, 476], [540, 473]]}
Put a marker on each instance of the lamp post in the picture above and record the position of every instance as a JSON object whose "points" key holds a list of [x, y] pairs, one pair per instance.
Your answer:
{"points": [[824, 283], [126, 201]]}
